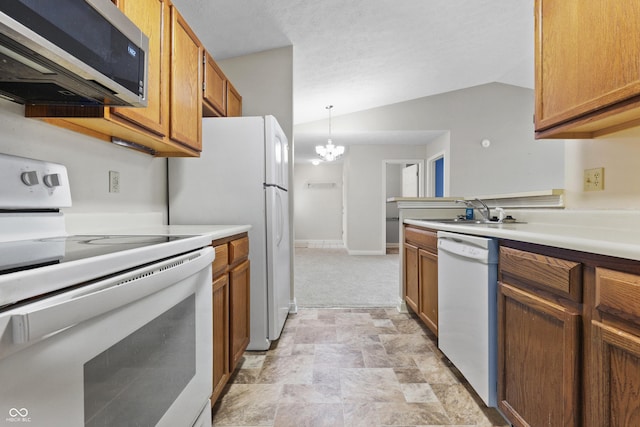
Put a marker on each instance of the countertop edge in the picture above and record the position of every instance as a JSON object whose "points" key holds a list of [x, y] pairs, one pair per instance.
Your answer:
{"points": [[211, 232], [571, 238]]}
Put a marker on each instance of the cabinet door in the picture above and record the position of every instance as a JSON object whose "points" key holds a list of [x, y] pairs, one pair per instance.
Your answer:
{"points": [[239, 311], [214, 89], [150, 16], [585, 60], [186, 80], [538, 360], [616, 375], [221, 370], [411, 283], [616, 349], [428, 268], [234, 101]]}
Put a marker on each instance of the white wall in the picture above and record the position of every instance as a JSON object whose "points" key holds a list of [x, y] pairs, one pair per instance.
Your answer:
{"points": [[265, 81], [620, 156], [88, 160], [365, 193], [318, 211], [515, 162]]}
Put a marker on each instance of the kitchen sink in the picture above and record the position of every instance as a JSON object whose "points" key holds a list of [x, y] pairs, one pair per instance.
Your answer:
{"points": [[463, 221]]}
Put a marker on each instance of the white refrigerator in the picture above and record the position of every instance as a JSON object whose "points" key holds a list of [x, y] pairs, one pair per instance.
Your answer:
{"points": [[242, 177]]}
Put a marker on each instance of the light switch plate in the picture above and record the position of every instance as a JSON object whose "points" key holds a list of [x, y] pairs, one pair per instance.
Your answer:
{"points": [[594, 179]]}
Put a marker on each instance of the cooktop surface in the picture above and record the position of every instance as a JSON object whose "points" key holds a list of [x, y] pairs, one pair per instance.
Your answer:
{"points": [[27, 254], [35, 267]]}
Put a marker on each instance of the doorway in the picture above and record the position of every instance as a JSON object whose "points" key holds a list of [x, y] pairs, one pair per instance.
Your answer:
{"points": [[400, 178], [437, 185]]}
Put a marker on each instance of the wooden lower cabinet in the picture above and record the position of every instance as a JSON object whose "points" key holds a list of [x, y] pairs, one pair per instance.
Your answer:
{"points": [[221, 366], [239, 282], [428, 269], [568, 337], [231, 307], [538, 360], [420, 268], [539, 339], [616, 348], [617, 369], [411, 277]]}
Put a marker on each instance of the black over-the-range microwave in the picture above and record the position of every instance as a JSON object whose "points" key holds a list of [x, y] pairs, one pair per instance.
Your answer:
{"points": [[71, 52]]}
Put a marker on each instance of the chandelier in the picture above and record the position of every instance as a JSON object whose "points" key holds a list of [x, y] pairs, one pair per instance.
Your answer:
{"points": [[329, 152]]}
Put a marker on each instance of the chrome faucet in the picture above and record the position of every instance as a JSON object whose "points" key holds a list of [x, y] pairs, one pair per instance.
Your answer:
{"points": [[484, 210]]}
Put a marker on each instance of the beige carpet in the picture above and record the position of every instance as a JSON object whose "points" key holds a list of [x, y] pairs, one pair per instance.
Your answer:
{"points": [[333, 278]]}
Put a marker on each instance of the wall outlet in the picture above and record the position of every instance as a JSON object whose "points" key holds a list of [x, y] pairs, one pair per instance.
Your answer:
{"points": [[114, 182], [594, 179]]}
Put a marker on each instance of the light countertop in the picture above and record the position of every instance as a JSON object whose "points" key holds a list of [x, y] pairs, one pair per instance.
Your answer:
{"points": [[606, 233], [143, 223], [212, 232]]}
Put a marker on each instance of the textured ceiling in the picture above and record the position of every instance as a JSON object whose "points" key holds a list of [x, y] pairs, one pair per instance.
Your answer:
{"points": [[361, 54]]}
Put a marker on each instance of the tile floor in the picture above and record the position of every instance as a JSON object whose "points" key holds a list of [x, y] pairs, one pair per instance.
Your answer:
{"points": [[351, 367]]}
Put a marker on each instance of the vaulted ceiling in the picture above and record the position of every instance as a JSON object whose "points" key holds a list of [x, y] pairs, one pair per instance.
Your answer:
{"points": [[360, 54]]}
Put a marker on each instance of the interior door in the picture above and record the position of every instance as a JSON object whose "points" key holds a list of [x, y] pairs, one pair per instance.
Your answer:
{"points": [[410, 181]]}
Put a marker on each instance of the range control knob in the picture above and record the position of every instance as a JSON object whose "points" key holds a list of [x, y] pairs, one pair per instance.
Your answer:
{"points": [[52, 180], [29, 178]]}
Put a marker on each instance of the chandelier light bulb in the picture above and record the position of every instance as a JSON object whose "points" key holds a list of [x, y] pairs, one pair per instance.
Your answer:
{"points": [[329, 152]]}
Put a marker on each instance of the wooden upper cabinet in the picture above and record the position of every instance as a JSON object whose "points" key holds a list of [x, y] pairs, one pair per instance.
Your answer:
{"points": [[214, 89], [587, 67], [186, 79], [234, 101], [150, 16], [170, 125]]}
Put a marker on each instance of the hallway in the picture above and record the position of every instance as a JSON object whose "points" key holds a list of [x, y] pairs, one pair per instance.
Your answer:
{"points": [[330, 277]]}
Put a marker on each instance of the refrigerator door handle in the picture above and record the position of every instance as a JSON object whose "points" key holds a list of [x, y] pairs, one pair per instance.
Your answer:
{"points": [[279, 218]]}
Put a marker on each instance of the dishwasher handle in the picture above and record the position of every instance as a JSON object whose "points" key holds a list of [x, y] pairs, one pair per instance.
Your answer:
{"points": [[463, 250]]}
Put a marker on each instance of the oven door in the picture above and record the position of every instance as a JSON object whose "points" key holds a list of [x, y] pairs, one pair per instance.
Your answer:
{"points": [[134, 349]]}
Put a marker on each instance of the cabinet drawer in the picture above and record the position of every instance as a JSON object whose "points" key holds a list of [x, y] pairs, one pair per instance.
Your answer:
{"points": [[554, 275], [427, 239], [221, 261], [238, 250], [618, 293]]}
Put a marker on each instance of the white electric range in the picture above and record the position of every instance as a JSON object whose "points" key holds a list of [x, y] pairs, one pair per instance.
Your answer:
{"points": [[97, 329]]}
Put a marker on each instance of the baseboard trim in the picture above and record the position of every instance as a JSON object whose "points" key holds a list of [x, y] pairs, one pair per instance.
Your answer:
{"points": [[293, 306], [354, 252], [319, 244]]}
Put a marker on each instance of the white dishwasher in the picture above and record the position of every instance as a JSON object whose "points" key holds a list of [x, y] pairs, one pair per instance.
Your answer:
{"points": [[467, 304]]}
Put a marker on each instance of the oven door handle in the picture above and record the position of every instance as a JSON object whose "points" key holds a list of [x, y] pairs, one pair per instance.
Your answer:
{"points": [[47, 317]]}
